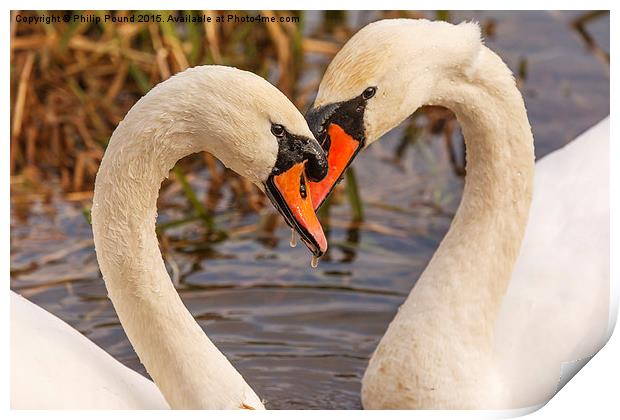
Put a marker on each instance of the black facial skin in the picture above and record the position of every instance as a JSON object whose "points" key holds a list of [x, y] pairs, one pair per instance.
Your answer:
{"points": [[293, 149], [349, 115]]}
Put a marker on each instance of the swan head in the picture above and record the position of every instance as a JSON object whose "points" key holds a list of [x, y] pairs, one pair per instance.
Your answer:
{"points": [[299, 160], [253, 129], [380, 77]]}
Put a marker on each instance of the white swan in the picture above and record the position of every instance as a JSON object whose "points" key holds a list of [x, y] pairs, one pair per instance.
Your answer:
{"points": [[254, 130], [477, 331]]}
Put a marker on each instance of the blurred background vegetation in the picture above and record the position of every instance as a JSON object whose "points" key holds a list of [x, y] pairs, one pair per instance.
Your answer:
{"points": [[300, 336], [71, 84]]}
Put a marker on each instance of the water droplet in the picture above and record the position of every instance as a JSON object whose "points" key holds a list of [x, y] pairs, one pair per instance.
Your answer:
{"points": [[315, 261], [519, 173], [293, 242]]}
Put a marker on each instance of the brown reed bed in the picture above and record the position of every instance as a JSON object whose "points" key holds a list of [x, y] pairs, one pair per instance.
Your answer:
{"points": [[72, 83]]}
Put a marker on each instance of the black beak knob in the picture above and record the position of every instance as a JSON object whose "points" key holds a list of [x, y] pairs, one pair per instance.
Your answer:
{"points": [[317, 119], [316, 165]]}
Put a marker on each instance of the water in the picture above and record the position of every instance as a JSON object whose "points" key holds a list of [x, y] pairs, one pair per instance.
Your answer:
{"points": [[314, 262], [302, 336]]}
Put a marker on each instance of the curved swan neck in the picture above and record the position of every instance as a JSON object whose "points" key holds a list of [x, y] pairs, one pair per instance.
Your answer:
{"points": [[183, 362], [474, 262], [475, 259], [439, 347]]}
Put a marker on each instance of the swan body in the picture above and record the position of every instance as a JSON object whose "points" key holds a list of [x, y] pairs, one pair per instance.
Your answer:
{"points": [[556, 309], [254, 130], [496, 317], [53, 366]]}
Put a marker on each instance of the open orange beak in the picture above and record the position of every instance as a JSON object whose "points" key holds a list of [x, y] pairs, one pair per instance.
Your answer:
{"points": [[342, 151], [290, 193]]}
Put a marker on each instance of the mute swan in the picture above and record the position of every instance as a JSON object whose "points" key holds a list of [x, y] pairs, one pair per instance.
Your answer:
{"points": [[477, 331], [254, 130]]}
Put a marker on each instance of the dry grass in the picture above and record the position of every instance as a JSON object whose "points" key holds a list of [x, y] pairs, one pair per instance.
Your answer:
{"points": [[72, 83]]}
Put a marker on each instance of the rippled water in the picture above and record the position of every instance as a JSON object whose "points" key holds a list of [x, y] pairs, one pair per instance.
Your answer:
{"points": [[302, 336]]}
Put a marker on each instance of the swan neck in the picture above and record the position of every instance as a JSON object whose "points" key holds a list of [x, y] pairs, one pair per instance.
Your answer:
{"points": [[186, 366], [442, 336], [472, 267]]}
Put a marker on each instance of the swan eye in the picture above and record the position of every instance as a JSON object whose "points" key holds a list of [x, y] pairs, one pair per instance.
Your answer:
{"points": [[369, 93], [277, 130]]}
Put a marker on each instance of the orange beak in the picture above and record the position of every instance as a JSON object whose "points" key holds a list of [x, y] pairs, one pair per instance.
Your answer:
{"points": [[342, 151], [291, 195]]}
